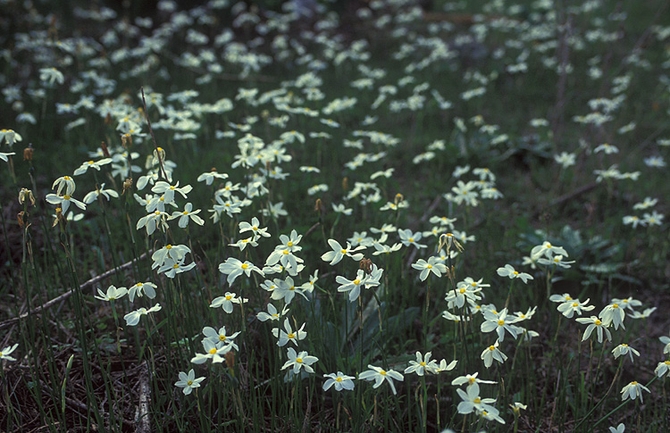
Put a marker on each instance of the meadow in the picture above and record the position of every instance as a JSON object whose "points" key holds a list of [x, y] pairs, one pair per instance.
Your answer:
{"points": [[372, 216]]}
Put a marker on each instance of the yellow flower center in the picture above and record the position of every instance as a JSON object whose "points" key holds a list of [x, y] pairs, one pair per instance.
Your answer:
{"points": [[614, 306], [634, 383], [422, 363], [228, 297], [66, 197], [90, 162], [598, 322], [356, 281], [343, 251], [338, 379], [492, 348], [298, 360], [289, 244], [291, 335], [382, 372], [501, 322], [212, 351], [222, 338], [245, 266], [477, 400]]}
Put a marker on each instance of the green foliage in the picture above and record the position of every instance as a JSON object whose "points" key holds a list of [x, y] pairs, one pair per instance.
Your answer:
{"points": [[492, 161]]}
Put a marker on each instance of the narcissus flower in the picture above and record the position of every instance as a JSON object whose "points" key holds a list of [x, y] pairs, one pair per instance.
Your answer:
{"points": [[288, 334], [234, 268], [613, 314], [422, 365], [298, 361], [470, 379], [339, 380], [133, 318], [433, 265], [662, 368], [64, 201], [188, 381], [140, 289], [472, 401], [188, 214], [83, 168], [4, 353], [493, 353], [624, 349], [597, 324], [101, 191], [511, 273], [379, 375], [113, 293], [633, 390], [338, 252], [226, 302]]}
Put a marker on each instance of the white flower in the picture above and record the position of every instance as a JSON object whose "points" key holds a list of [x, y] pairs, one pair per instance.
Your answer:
{"points": [[662, 368], [624, 349], [434, 265], [299, 361], [338, 252], [83, 168], [113, 293], [288, 334], [94, 195], [234, 268], [633, 390], [339, 380], [188, 214], [621, 428], [133, 318], [422, 365], [472, 401], [511, 273], [51, 76], [226, 302], [379, 375], [64, 201], [138, 289], [340, 208], [188, 381], [492, 352], [4, 353]]}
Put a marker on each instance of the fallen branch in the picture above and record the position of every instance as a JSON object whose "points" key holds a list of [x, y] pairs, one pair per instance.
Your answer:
{"points": [[67, 294], [143, 423]]}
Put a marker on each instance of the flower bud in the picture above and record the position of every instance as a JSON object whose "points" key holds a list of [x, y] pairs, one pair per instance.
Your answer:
{"points": [[28, 153], [26, 194]]}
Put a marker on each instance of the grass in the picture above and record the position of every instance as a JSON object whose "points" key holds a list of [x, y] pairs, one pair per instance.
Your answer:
{"points": [[412, 120]]}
